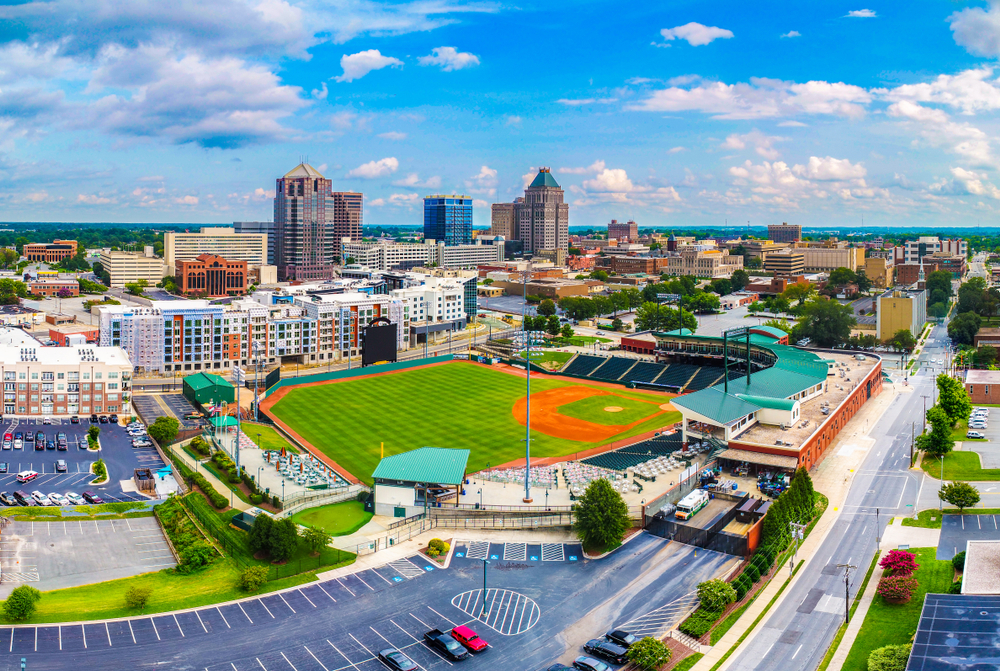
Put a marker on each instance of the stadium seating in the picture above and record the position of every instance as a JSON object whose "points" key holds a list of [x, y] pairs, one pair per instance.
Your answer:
{"points": [[613, 369], [627, 457], [677, 374], [705, 377], [583, 365], [644, 371]]}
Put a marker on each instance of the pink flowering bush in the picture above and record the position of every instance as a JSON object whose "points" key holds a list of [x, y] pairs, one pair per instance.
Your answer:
{"points": [[897, 587], [899, 563]]}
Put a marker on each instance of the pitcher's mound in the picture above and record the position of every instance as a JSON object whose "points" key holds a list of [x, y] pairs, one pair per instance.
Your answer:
{"points": [[668, 407], [613, 408]]}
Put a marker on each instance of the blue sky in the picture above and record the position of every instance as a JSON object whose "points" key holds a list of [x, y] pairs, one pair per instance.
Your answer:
{"points": [[679, 113]]}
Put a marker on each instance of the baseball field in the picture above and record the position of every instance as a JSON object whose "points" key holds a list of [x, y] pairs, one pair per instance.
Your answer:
{"points": [[463, 405]]}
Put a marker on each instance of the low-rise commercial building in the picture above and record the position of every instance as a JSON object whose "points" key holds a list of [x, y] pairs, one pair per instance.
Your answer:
{"points": [[879, 271], [74, 334], [983, 386], [826, 256], [630, 265], [623, 230], [407, 255], [50, 288], [785, 262], [211, 276], [784, 232], [127, 267], [546, 287], [50, 252], [703, 261], [899, 309], [910, 273], [987, 336]]}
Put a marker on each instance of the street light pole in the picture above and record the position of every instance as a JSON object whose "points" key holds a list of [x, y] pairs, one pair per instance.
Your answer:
{"points": [[527, 377], [482, 612], [942, 480]]}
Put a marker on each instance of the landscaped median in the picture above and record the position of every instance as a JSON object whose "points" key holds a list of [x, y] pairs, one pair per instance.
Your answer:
{"points": [[963, 466]]}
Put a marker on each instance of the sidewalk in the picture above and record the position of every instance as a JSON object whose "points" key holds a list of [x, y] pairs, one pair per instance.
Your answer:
{"points": [[238, 503], [833, 478], [895, 535]]}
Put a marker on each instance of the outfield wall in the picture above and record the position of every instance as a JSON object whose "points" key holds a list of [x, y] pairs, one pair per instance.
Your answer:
{"points": [[358, 372]]}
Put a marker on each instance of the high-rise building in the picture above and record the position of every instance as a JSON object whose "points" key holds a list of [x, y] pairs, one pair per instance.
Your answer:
{"points": [[502, 219], [310, 220], [623, 230], [448, 219], [258, 228], [217, 240], [538, 221], [784, 232]]}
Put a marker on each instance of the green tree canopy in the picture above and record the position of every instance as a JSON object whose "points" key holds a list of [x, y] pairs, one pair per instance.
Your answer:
{"points": [[962, 495], [284, 538], [937, 442], [963, 328], [739, 279], [841, 276], [716, 594], [902, 341], [939, 280], [826, 322], [798, 292], [164, 430], [953, 398], [889, 658], [601, 516], [649, 654], [546, 307], [649, 317]]}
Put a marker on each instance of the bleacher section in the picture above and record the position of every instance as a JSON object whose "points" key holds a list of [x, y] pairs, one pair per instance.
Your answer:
{"points": [[583, 365], [644, 371], [705, 377], [627, 457], [677, 374], [613, 369]]}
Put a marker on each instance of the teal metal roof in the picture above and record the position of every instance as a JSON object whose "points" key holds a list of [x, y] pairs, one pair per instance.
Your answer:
{"points": [[426, 464], [771, 383], [768, 402], [777, 333], [716, 405], [200, 381], [684, 332], [223, 421], [544, 178]]}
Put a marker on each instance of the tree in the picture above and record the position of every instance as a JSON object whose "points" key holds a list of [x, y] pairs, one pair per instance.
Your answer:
{"points": [[136, 596], [315, 539], [938, 442], [986, 356], [953, 399], [798, 292], [19, 243], [616, 324], [601, 516], [599, 275], [963, 328], [864, 284], [755, 307], [649, 654], [94, 431], [780, 324], [715, 595], [252, 578], [962, 495], [577, 307], [897, 587], [739, 279], [826, 322], [899, 562], [902, 341], [164, 430], [937, 310], [567, 331], [841, 276], [722, 286], [889, 658], [602, 305], [939, 281], [283, 539], [552, 325], [21, 603], [970, 296], [649, 316], [702, 302], [259, 538], [546, 308]]}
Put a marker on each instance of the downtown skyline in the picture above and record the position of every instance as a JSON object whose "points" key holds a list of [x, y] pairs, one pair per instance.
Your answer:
{"points": [[695, 114]]}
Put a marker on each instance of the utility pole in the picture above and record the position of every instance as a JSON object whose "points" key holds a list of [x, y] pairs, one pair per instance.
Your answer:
{"points": [[847, 589], [912, 427], [925, 397], [798, 534]]}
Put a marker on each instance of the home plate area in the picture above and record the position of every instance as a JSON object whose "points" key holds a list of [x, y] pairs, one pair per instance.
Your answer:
{"points": [[521, 552]]}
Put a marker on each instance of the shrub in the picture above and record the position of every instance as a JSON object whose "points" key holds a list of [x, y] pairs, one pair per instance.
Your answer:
{"points": [[889, 658], [256, 499], [136, 596], [741, 588], [716, 594], [251, 578], [899, 562], [362, 496], [752, 573], [315, 539], [956, 587], [21, 603], [276, 501], [648, 654], [100, 470], [699, 623], [958, 561], [215, 498], [164, 430], [897, 587]]}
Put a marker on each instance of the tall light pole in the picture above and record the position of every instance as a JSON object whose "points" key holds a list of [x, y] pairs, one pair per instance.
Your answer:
{"points": [[482, 612], [527, 377]]}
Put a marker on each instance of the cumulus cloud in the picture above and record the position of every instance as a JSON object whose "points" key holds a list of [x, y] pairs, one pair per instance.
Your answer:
{"points": [[779, 184], [320, 93], [614, 180], [576, 102], [676, 150], [696, 34], [358, 65], [937, 128], [829, 168], [413, 181], [151, 178], [860, 14], [513, 120], [93, 199], [593, 168], [613, 185], [762, 144], [408, 199], [449, 58], [392, 135], [792, 33], [759, 98], [186, 200], [486, 178], [978, 30], [969, 91], [965, 182], [375, 169]]}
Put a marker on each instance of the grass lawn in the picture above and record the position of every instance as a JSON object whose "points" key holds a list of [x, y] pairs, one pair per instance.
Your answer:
{"points": [[270, 439], [592, 409], [887, 624], [453, 405], [579, 340], [931, 519], [958, 433], [964, 466], [103, 600], [339, 519]]}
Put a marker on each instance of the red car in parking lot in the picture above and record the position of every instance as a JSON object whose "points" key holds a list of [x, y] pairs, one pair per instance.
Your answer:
{"points": [[468, 638]]}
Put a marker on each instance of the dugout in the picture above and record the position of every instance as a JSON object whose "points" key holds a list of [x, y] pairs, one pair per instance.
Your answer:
{"points": [[429, 476], [203, 388]]}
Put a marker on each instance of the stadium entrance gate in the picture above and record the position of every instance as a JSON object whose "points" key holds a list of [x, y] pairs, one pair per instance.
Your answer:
{"points": [[664, 525]]}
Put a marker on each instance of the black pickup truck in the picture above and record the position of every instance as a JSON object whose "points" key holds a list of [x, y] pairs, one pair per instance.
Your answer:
{"points": [[446, 645]]}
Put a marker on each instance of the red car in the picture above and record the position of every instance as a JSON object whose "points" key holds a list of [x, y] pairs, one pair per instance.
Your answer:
{"points": [[469, 639]]}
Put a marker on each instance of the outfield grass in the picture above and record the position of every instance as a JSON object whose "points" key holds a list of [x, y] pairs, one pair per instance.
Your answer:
{"points": [[338, 519], [888, 624], [592, 409], [458, 405], [963, 466], [270, 439]]}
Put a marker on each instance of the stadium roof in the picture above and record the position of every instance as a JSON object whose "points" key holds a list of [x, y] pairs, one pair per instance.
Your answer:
{"points": [[771, 382], [768, 402], [957, 631], [425, 465], [760, 458], [716, 405], [777, 333]]}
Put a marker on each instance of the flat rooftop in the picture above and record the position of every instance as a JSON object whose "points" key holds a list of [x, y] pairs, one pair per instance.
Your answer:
{"points": [[837, 389]]}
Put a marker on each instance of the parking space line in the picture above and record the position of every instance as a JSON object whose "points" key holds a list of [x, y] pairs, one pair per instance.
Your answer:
{"points": [[286, 603], [60, 637], [12, 639], [131, 631], [381, 636], [381, 576], [327, 640], [345, 587], [245, 613], [178, 626], [405, 632], [439, 615], [320, 585], [154, 629], [200, 622], [306, 598], [224, 618], [286, 659], [435, 652], [421, 621], [364, 583], [259, 662], [316, 658], [261, 602], [83, 628], [108, 632], [36, 639], [362, 645]]}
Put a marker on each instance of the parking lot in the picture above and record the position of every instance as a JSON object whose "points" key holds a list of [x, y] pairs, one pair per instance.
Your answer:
{"points": [[66, 553], [119, 456], [151, 406], [956, 530]]}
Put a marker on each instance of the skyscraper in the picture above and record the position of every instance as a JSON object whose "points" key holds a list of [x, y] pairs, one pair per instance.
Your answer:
{"points": [[448, 219], [309, 221], [542, 220]]}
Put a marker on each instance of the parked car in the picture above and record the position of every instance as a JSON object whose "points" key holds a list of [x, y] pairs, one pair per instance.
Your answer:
{"points": [[23, 498], [58, 499], [3, 466], [606, 650], [27, 476], [74, 419], [75, 499], [558, 667], [40, 437], [29, 437], [93, 419], [61, 466], [589, 664], [7, 499], [40, 499], [50, 445], [103, 419], [60, 437], [7, 444], [18, 435], [91, 497], [622, 638], [975, 435], [18, 443], [47, 420], [396, 660], [446, 645], [62, 445], [469, 638], [113, 419], [39, 445], [82, 444]]}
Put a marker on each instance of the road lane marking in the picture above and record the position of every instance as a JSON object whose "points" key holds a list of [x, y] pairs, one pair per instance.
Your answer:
{"points": [[178, 625]]}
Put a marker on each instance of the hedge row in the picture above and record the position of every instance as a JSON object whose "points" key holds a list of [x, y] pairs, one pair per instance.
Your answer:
{"points": [[700, 622], [215, 498]]}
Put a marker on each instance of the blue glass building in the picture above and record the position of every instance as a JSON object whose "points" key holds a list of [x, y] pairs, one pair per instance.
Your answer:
{"points": [[448, 219]]}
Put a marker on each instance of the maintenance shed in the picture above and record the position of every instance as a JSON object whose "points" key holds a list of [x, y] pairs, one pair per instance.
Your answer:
{"points": [[205, 388], [407, 483]]}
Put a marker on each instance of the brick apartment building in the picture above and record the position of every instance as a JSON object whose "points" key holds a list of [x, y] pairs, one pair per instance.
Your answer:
{"points": [[212, 276], [908, 273], [983, 386]]}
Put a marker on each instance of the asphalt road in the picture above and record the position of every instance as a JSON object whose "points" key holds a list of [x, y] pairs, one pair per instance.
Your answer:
{"points": [[537, 612], [796, 636]]}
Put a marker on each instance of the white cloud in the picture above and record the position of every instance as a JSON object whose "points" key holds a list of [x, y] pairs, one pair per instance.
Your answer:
{"points": [[449, 58], [320, 93], [374, 169], [676, 150], [759, 98], [792, 33], [37, 197], [392, 135], [528, 177], [478, 202], [151, 178], [593, 168], [793, 124], [92, 199], [969, 91], [613, 185], [378, 202], [860, 14], [413, 180], [513, 120], [696, 34], [762, 144], [408, 199], [937, 128], [966, 182], [348, 119], [187, 200], [781, 185], [978, 30], [610, 181], [485, 178], [576, 102], [358, 65], [830, 169]]}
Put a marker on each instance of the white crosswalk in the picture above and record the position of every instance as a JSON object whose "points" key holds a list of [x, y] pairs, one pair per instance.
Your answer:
{"points": [[478, 550], [406, 568], [515, 551], [553, 552], [10, 576], [657, 622]]}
